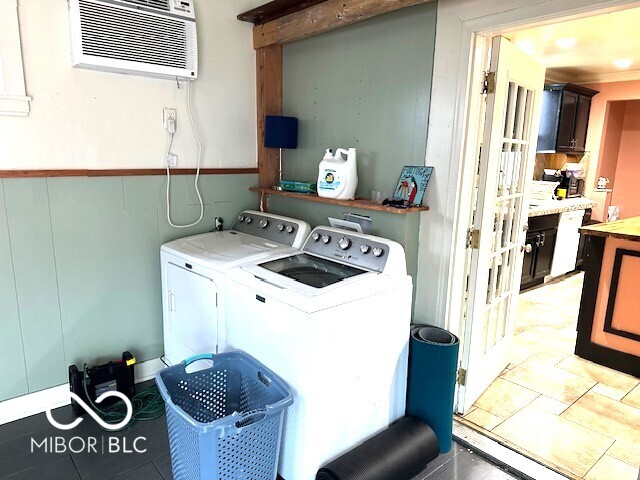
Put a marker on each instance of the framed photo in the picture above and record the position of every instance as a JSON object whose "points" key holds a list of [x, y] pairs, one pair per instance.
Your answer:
{"points": [[412, 184]]}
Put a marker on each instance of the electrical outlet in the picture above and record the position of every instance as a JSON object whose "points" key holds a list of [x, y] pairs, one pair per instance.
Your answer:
{"points": [[172, 160], [219, 223], [168, 113]]}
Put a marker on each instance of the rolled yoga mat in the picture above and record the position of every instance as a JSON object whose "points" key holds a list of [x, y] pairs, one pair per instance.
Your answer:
{"points": [[400, 453], [433, 361]]}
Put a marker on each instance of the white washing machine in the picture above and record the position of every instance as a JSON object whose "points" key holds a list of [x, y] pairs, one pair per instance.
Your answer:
{"points": [[333, 320], [194, 273]]}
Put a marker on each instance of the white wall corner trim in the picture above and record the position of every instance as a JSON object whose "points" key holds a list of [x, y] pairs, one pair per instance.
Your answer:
{"points": [[13, 98], [34, 403]]}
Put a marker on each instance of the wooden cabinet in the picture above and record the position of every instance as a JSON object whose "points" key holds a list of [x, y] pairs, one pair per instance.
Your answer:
{"points": [[544, 253], [564, 118], [539, 248]]}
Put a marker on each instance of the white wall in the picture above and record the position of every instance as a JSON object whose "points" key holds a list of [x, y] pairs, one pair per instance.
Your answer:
{"points": [[96, 120]]}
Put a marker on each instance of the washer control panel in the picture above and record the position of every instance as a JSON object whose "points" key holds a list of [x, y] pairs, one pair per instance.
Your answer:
{"points": [[348, 248], [270, 227]]}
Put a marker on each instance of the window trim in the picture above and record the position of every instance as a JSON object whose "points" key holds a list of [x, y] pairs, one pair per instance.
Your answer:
{"points": [[14, 100]]}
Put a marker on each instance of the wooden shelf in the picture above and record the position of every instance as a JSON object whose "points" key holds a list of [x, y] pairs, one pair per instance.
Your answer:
{"points": [[276, 9], [363, 203]]}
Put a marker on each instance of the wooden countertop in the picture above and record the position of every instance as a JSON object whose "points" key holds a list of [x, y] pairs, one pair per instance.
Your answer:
{"points": [[628, 229]]}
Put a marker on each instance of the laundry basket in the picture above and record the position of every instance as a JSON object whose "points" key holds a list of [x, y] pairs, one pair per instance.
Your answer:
{"points": [[224, 421]]}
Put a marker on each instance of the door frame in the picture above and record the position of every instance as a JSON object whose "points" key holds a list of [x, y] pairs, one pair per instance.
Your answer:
{"points": [[463, 29]]}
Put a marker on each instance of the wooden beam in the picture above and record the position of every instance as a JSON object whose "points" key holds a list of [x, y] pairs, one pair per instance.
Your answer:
{"points": [[269, 96], [322, 18], [276, 9], [127, 172]]}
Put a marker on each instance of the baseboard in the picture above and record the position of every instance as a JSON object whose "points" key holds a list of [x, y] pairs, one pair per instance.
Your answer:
{"points": [[54, 397], [147, 370]]}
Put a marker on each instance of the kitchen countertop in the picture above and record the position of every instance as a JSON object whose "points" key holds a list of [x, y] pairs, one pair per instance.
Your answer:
{"points": [[627, 229], [558, 206]]}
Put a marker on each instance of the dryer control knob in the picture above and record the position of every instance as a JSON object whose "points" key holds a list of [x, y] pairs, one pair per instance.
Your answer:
{"points": [[315, 237], [280, 227], [248, 219], [377, 252], [365, 249], [344, 243], [326, 238], [289, 229], [264, 223], [241, 218]]}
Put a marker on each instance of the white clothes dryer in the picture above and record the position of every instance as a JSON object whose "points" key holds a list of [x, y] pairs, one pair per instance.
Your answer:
{"points": [[333, 320], [194, 270]]}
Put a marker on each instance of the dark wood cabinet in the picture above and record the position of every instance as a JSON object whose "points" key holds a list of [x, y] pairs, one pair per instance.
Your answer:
{"points": [[529, 261], [564, 118], [539, 247], [544, 253]]}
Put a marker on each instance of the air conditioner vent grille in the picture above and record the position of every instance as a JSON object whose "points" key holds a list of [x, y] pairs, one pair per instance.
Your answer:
{"points": [[158, 4], [123, 34]]}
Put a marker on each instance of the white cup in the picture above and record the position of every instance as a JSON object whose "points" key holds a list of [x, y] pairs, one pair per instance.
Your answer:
{"points": [[378, 196]]}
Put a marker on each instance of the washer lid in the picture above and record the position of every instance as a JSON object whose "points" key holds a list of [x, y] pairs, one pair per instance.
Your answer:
{"points": [[222, 250]]}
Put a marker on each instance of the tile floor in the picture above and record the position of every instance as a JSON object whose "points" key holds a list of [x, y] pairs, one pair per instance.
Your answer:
{"points": [[574, 415], [17, 462]]}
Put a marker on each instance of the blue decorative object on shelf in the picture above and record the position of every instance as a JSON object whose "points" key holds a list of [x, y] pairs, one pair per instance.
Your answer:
{"points": [[280, 132]]}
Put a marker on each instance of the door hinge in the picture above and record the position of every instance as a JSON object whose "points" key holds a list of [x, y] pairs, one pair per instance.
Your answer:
{"points": [[473, 238], [462, 376], [489, 83]]}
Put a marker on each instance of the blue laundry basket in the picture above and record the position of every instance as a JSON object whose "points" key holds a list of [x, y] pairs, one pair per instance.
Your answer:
{"points": [[224, 421]]}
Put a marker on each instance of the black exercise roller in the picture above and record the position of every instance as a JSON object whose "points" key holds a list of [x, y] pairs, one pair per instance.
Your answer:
{"points": [[398, 453]]}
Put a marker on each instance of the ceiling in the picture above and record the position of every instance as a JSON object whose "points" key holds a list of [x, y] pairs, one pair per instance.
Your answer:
{"points": [[599, 40]]}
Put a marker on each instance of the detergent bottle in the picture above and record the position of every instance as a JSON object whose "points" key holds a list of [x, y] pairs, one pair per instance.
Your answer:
{"points": [[337, 177]]}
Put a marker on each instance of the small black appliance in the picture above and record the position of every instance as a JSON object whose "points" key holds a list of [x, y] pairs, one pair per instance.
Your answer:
{"points": [[94, 381]]}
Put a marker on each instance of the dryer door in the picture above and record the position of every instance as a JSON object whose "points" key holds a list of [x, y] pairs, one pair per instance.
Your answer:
{"points": [[192, 314]]}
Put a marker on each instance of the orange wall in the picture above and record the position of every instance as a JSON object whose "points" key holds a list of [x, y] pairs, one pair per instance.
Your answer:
{"points": [[626, 310], [610, 141], [626, 193], [608, 92]]}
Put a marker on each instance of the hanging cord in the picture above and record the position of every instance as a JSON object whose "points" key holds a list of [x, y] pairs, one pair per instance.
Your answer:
{"points": [[196, 134], [147, 405]]}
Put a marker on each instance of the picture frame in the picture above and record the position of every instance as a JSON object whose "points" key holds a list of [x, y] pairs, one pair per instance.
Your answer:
{"points": [[412, 184]]}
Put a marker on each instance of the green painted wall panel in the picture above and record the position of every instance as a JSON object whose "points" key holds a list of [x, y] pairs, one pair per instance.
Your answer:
{"points": [[143, 192], [86, 255], [27, 207], [89, 234], [12, 365], [366, 86]]}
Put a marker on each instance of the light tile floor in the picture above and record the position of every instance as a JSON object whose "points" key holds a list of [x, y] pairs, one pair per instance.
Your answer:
{"points": [[578, 417]]}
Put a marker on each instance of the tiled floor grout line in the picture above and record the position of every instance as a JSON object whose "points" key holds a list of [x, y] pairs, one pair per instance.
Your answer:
{"points": [[76, 467], [601, 457]]}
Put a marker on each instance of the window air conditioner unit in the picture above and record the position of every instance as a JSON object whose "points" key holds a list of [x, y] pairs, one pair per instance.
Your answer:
{"points": [[140, 37]]}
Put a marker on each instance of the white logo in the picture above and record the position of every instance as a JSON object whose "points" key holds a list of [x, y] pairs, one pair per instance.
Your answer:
{"points": [[94, 415]]}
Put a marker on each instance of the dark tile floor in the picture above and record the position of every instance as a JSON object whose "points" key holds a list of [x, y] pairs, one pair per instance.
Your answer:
{"points": [[22, 459]]}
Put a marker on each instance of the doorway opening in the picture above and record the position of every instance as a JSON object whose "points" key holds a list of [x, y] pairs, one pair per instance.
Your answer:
{"points": [[578, 417]]}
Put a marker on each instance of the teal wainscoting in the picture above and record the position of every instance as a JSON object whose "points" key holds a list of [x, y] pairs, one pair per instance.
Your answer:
{"points": [[366, 86], [80, 267]]}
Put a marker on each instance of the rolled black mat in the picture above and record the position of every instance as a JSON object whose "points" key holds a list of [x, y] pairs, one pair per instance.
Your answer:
{"points": [[398, 453]]}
